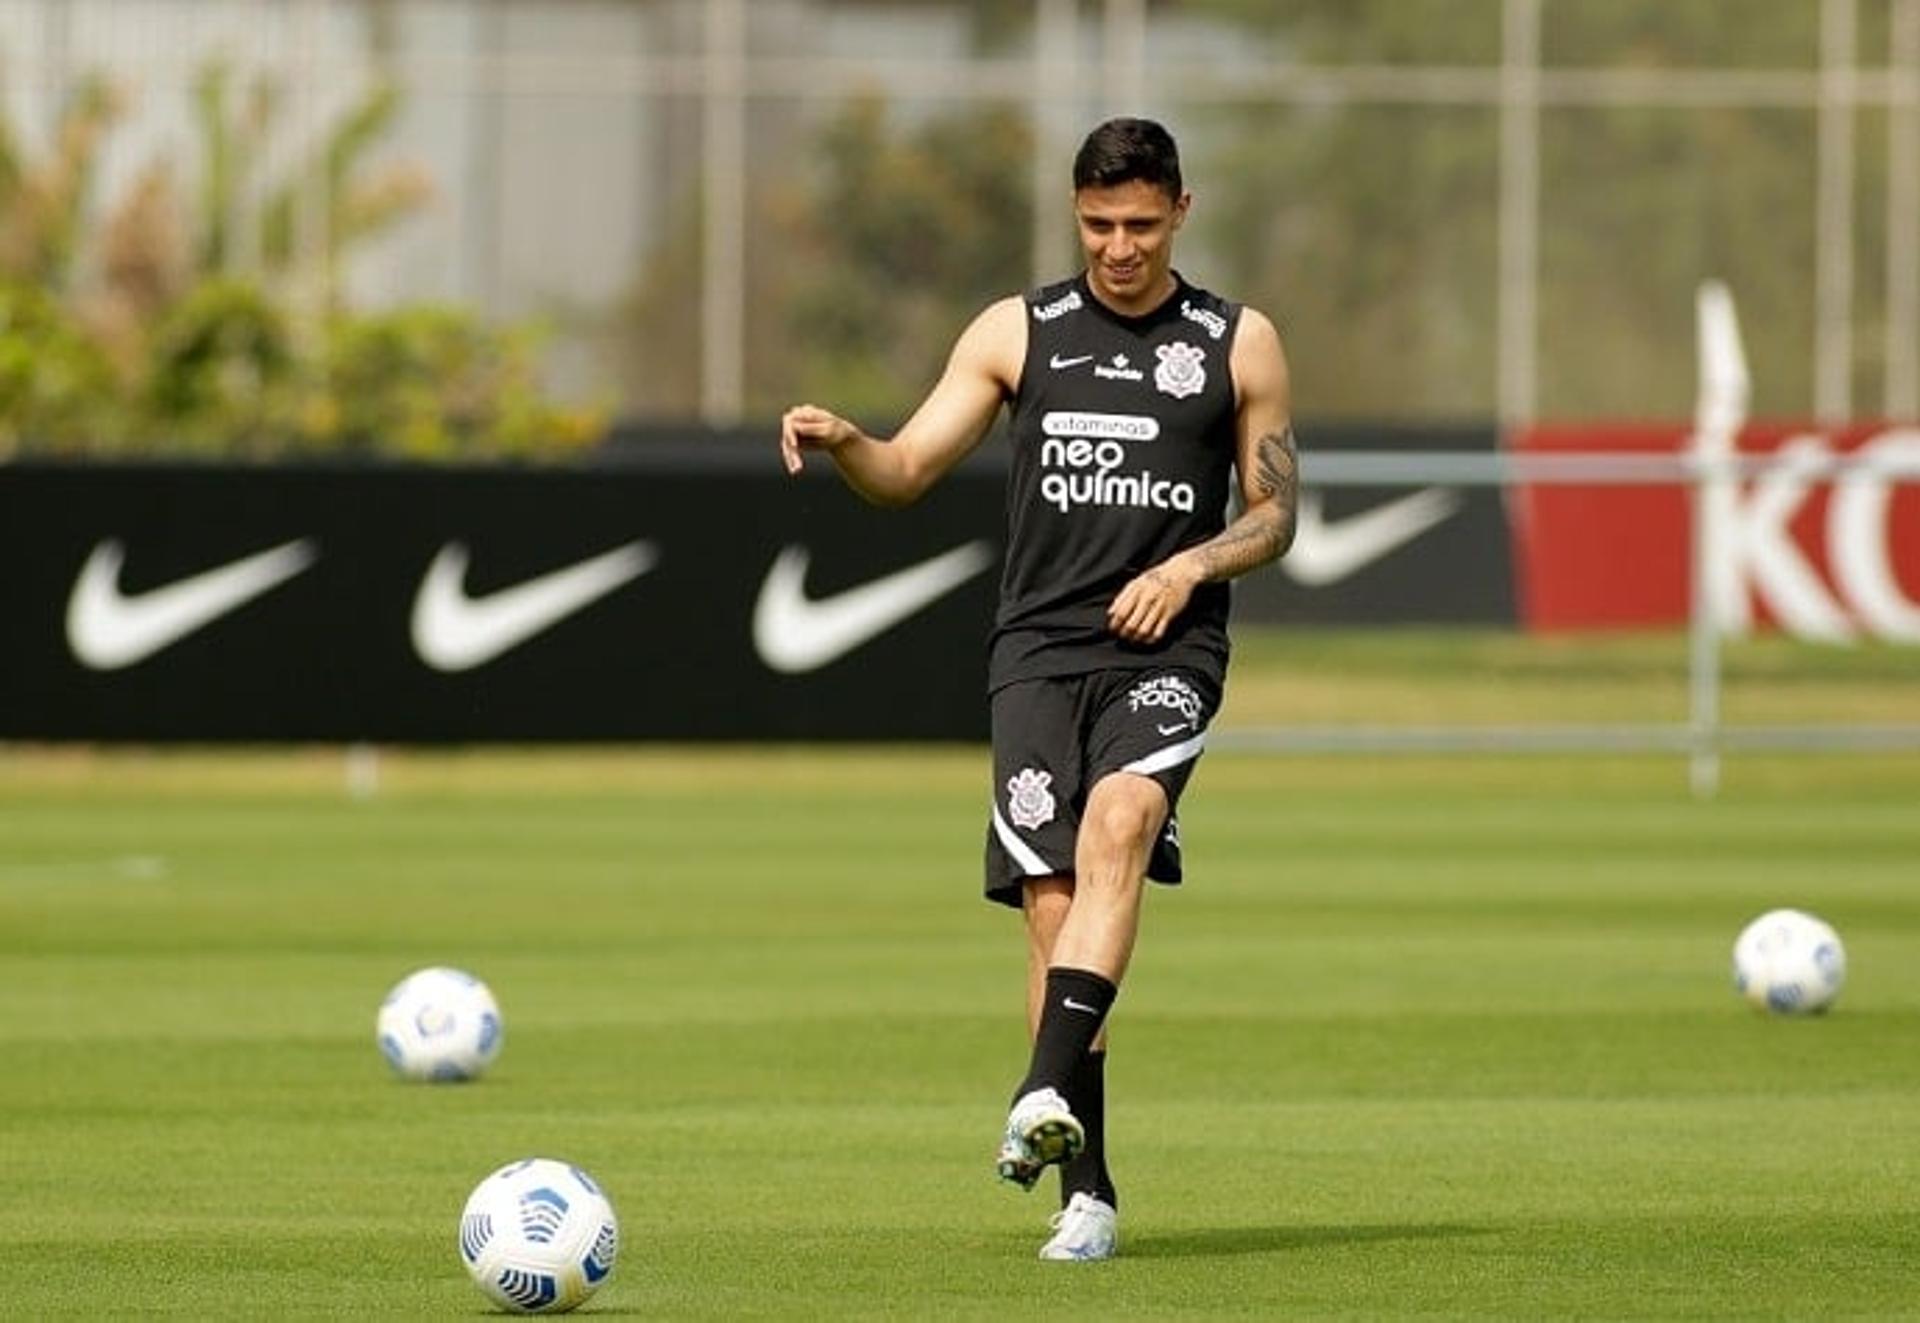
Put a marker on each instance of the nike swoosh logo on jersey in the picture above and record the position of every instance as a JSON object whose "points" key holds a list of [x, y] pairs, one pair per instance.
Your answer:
{"points": [[1325, 551], [794, 633], [453, 631], [1058, 363], [1174, 729], [108, 629]]}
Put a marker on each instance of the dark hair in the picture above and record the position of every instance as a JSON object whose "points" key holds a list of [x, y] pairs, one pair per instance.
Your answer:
{"points": [[1126, 149]]}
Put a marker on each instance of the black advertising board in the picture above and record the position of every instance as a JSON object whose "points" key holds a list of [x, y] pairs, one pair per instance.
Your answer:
{"points": [[682, 590], [432, 604]]}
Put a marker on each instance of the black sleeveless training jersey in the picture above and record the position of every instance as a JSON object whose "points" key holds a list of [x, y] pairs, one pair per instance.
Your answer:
{"points": [[1123, 451]]}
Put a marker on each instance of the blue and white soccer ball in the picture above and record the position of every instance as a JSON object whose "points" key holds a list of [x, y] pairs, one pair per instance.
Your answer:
{"points": [[1789, 962], [439, 1024], [538, 1236]]}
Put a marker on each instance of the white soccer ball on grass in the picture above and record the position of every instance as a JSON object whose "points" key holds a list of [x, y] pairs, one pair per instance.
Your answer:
{"points": [[1789, 962], [538, 1236], [439, 1024]]}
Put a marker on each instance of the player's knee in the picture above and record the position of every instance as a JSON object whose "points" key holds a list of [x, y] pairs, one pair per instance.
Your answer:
{"points": [[1125, 810]]}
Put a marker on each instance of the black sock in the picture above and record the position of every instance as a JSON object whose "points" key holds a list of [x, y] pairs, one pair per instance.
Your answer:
{"points": [[1076, 1005], [1087, 1095]]}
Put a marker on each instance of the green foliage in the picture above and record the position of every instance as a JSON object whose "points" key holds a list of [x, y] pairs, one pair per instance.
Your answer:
{"points": [[429, 382], [1637, 207], [52, 372], [218, 359], [1455, 32], [41, 203], [908, 232], [1370, 232], [1679, 34], [205, 318], [1379, 272], [651, 340]]}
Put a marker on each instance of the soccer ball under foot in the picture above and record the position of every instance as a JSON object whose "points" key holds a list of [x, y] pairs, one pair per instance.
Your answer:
{"points": [[1789, 962], [538, 1236]]}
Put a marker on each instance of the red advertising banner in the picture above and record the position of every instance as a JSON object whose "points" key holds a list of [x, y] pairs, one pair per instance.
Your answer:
{"points": [[1820, 556]]}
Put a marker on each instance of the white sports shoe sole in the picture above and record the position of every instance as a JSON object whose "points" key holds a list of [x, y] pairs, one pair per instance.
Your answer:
{"points": [[1041, 1131]]}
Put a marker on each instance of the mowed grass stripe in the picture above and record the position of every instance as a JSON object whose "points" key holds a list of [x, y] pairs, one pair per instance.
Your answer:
{"points": [[1422, 1037]]}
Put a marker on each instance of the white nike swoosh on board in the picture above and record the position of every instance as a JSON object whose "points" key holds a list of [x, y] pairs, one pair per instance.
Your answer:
{"points": [[108, 629], [1326, 551], [455, 632], [794, 633], [1058, 363]]}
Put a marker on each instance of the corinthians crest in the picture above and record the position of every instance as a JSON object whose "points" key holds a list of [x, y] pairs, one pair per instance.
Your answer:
{"points": [[1180, 373], [1029, 799]]}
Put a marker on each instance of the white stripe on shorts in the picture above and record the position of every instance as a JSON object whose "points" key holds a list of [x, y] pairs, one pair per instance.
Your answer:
{"points": [[1030, 863], [1171, 756]]}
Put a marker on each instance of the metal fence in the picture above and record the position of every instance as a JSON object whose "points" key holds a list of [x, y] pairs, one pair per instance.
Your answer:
{"points": [[648, 175]]}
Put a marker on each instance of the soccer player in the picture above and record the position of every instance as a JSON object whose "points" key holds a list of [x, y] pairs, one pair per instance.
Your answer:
{"points": [[1135, 399]]}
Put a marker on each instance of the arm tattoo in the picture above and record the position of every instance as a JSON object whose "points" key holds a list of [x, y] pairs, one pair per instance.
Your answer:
{"points": [[1278, 466], [1279, 477], [1265, 530]]}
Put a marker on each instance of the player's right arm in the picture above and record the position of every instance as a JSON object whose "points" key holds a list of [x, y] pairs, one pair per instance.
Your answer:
{"points": [[982, 371]]}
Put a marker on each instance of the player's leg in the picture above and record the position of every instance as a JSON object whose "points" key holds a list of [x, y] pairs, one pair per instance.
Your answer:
{"points": [[1118, 826], [1089, 955], [1086, 1228], [1046, 904], [1030, 852], [1143, 743], [1043, 1125]]}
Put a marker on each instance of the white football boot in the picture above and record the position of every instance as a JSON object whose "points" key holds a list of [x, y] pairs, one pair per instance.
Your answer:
{"points": [[1087, 1229], [1041, 1130]]}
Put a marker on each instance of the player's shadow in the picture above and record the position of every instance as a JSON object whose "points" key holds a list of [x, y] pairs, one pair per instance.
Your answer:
{"points": [[1210, 1242]]}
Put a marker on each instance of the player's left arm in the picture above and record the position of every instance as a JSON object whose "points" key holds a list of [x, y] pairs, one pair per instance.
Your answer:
{"points": [[1268, 464]]}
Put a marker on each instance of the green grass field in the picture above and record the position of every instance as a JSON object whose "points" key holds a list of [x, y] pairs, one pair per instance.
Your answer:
{"points": [[1466, 1022], [1421, 1037]]}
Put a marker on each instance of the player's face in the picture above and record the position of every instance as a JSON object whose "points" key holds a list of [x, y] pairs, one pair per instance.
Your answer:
{"points": [[1126, 232]]}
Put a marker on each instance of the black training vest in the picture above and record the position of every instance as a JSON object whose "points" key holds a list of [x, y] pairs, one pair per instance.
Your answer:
{"points": [[1123, 452]]}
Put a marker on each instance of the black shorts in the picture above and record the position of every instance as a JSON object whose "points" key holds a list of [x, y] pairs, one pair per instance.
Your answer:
{"points": [[1054, 739]]}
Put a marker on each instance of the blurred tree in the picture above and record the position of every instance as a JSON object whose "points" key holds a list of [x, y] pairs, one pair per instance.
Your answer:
{"points": [[42, 203], [431, 382], [650, 340], [863, 272], [1370, 231], [1369, 235], [208, 319], [902, 235]]}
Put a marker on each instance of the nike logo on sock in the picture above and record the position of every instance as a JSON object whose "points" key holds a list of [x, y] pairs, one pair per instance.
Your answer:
{"points": [[1073, 1005]]}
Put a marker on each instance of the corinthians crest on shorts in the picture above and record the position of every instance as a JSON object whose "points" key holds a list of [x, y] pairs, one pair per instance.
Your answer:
{"points": [[1180, 373], [1030, 798]]}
